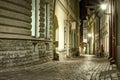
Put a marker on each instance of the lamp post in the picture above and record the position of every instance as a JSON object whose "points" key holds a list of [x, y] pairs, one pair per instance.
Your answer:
{"points": [[103, 6], [89, 35]]}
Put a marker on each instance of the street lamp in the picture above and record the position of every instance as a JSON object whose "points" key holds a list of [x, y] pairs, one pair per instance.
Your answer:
{"points": [[89, 35], [103, 6]]}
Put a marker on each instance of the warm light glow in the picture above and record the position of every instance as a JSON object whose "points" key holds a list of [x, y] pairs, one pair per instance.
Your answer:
{"points": [[85, 40], [84, 49], [60, 30], [103, 6], [89, 35]]}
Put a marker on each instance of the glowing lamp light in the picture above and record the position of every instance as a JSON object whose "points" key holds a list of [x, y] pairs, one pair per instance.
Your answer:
{"points": [[89, 35], [103, 6], [85, 40]]}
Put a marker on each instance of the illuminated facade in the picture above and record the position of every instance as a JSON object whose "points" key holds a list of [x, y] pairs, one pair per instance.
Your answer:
{"points": [[104, 30], [85, 38], [91, 21], [67, 27], [99, 22], [31, 29]]}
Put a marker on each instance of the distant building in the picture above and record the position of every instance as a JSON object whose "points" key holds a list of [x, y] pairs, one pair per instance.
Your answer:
{"points": [[91, 32]]}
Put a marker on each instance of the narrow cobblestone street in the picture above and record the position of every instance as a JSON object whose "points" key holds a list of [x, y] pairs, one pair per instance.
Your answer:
{"points": [[82, 68]]}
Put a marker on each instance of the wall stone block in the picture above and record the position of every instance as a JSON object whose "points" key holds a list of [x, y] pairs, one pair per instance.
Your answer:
{"points": [[21, 52]]}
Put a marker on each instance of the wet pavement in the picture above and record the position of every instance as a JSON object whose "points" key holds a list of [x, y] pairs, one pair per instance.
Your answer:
{"points": [[82, 68]]}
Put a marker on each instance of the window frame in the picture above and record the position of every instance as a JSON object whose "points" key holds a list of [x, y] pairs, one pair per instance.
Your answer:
{"points": [[35, 29], [47, 20]]}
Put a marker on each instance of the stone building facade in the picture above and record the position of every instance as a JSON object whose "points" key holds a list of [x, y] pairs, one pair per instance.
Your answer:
{"points": [[27, 30], [102, 30], [91, 21], [67, 27], [18, 46]]}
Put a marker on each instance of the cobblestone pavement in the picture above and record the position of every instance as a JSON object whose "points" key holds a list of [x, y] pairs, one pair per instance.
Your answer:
{"points": [[83, 68]]}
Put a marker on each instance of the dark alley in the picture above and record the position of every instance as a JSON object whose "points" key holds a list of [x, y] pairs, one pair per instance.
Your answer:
{"points": [[59, 40]]}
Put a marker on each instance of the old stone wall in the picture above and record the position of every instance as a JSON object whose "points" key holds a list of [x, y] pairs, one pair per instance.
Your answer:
{"points": [[15, 18], [15, 52], [17, 46], [23, 52]]}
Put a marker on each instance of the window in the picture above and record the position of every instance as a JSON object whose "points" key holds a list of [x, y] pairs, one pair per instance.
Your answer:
{"points": [[35, 18], [47, 21]]}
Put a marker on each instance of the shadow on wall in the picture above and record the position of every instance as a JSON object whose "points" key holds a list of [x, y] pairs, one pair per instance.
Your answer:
{"points": [[55, 27], [55, 43]]}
